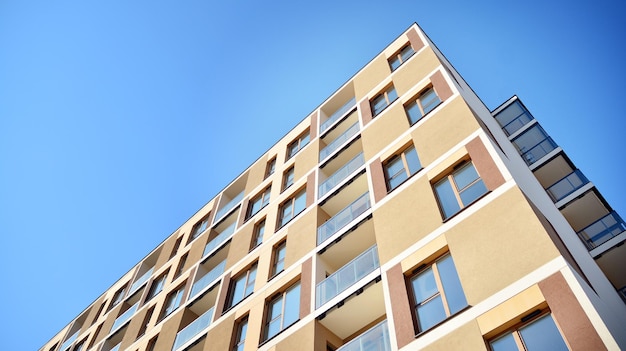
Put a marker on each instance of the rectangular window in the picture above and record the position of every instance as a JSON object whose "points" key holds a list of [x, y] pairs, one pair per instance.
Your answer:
{"points": [[270, 167], [540, 334], [437, 293], [181, 266], [382, 100], [292, 207], [288, 178], [459, 189], [200, 227], [400, 57], [146, 321], [152, 343], [79, 346], [258, 202], [424, 103], [297, 144], [242, 286], [176, 246], [240, 334], [156, 286], [172, 301], [257, 234], [400, 167], [118, 297], [278, 259], [282, 311], [99, 312]]}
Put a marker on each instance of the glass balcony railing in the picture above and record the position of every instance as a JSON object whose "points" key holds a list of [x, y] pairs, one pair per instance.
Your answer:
{"points": [[375, 339], [207, 279], [517, 123], [341, 174], [338, 114], [533, 154], [124, 317], [219, 239], [193, 329], [567, 185], [116, 347], [67, 343], [334, 145], [347, 276], [144, 278], [342, 218], [228, 206], [602, 230]]}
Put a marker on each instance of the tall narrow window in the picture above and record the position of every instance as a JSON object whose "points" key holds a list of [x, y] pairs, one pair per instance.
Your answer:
{"points": [[176, 246], [382, 100], [181, 266], [540, 334], [242, 286], [282, 311], [278, 259], [400, 57], [292, 207], [172, 301], [288, 178], [400, 167], [200, 227], [152, 343], [297, 144], [118, 297], [258, 202], [257, 234], [270, 167], [425, 102], [99, 312], [145, 322], [437, 293], [80, 345], [240, 334], [459, 189], [156, 286]]}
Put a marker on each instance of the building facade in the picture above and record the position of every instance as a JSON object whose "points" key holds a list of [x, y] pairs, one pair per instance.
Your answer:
{"points": [[401, 214]]}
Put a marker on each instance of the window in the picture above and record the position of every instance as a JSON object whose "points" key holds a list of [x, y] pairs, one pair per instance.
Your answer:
{"points": [[288, 178], [199, 227], [146, 321], [382, 100], [278, 259], [258, 202], [117, 298], [257, 234], [425, 102], [240, 334], [437, 293], [79, 346], [172, 301], [156, 286], [99, 312], [540, 334], [152, 343], [282, 311], [400, 167], [270, 167], [400, 57], [181, 265], [297, 144], [292, 207], [459, 189], [176, 246], [242, 287]]}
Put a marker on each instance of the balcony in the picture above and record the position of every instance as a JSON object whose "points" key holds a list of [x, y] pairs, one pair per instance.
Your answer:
{"points": [[341, 219], [144, 277], [513, 117], [69, 341], [341, 174], [228, 206], [218, 240], [207, 279], [567, 185], [539, 150], [602, 230], [374, 339], [338, 114], [193, 329], [340, 140], [347, 276], [124, 317]]}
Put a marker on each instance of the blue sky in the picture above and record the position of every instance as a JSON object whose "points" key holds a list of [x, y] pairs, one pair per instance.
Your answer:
{"points": [[115, 116]]}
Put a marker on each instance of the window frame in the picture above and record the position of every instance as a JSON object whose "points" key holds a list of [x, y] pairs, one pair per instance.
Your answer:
{"points": [[389, 95], [262, 198], [289, 177], [270, 167], [257, 234], [278, 262], [292, 201], [451, 180], [200, 227], [172, 302], [399, 57], [239, 337], [516, 330], [268, 319], [298, 144], [117, 297], [159, 283], [403, 157], [419, 103], [248, 283], [181, 265]]}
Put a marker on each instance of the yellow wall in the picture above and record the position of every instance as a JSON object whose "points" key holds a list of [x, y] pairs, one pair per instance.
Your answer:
{"points": [[466, 338]]}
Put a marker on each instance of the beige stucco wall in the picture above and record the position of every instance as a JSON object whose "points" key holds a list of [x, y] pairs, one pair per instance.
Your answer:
{"points": [[414, 70], [466, 338], [384, 129]]}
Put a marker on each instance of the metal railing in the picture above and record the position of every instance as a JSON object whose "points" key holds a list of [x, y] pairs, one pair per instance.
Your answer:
{"points": [[207, 279], [374, 339], [338, 114], [219, 239], [193, 329], [602, 230], [538, 151], [334, 145], [567, 185], [341, 174], [342, 218], [124, 317], [228, 206], [144, 277], [347, 276]]}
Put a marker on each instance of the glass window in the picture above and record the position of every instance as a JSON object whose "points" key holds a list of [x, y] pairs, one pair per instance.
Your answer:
{"points": [[282, 311], [258, 202], [118, 297], [424, 103], [541, 334], [292, 207], [400, 167], [400, 57], [533, 144], [437, 293], [172, 301], [257, 234], [240, 334], [242, 286], [156, 286], [382, 100], [297, 144], [513, 117], [200, 227], [176, 246], [459, 189], [181, 265], [288, 178], [278, 261], [270, 167]]}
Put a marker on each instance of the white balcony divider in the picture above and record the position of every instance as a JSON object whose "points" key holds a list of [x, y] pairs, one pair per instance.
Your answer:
{"points": [[207, 279], [124, 317], [347, 276], [341, 219], [334, 145], [338, 114], [374, 339], [341, 174], [193, 329]]}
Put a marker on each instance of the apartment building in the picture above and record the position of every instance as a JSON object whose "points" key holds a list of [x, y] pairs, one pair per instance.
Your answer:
{"points": [[401, 214]]}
